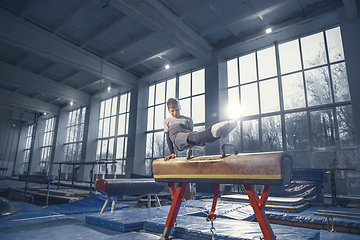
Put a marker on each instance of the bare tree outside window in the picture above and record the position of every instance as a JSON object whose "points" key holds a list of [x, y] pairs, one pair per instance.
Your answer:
{"points": [[309, 99]]}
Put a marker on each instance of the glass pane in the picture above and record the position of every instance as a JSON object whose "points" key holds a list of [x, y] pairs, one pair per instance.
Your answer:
{"points": [[125, 149], [149, 147], [301, 160], [83, 114], [150, 119], [151, 95], [108, 107], [322, 127], [351, 160], [234, 110], [296, 128], [289, 57], [247, 68], [106, 127], [98, 149], [102, 109], [112, 126], [318, 86], [198, 109], [159, 116], [160, 93], [232, 73], [111, 149], [184, 86], [346, 126], [114, 106], [269, 95], [271, 133], [127, 123], [119, 148], [166, 147], [185, 107], [121, 126], [100, 128], [81, 134], [123, 103], [148, 167], [326, 160], [249, 99], [128, 101], [198, 82], [293, 91], [158, 145], [235, 137], [267, 63], [334, 44], [251, 136], [170, 88], [313, 50], [340, 82], [119, 167], [104, 149]]}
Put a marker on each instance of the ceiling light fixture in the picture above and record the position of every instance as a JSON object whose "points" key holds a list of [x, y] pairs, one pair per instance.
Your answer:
{"points": [[269, 30], [71, 103], [109, 88], [167, 66]]}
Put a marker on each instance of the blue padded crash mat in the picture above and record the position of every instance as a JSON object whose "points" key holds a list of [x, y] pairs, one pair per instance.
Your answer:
{"points": [[27, 211], [68, 232], [283, 201], [196, 228], [133, 219], [125, 220], [86, 205], [307, 216], [238, 211], [273, 203], [136, 236]]}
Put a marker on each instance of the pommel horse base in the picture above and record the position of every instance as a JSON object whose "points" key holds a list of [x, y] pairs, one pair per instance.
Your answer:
{"points": [[273, 168]]}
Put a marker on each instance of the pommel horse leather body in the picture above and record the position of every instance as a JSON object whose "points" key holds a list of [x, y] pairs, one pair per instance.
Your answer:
{"points": [[120, 187], [265, 168]]}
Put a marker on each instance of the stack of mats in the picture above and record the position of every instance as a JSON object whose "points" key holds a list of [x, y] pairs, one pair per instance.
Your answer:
{"points": [[86, 205], [281, 204], [306, 183], [191, 223]]}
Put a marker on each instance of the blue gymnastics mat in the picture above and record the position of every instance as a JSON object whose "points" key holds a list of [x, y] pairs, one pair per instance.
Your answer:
{"points": [[125, 220], [86, 205], [75, 231], [196, 228], [133, 219]]}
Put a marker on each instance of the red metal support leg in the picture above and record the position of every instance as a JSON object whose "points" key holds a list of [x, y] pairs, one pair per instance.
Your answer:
{"points": [[212, 215], [171, 189], [258, 206], [175, 206]]}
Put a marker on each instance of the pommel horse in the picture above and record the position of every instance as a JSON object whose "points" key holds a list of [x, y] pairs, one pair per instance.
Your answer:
{"points": [[265, 168]]}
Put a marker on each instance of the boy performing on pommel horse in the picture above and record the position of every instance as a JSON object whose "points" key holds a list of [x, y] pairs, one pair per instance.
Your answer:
{"points": [[179, 130]]}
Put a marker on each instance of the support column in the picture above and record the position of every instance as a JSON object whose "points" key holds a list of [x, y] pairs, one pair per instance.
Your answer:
{"points": [[131, 145], [350, 32], [137, 165], [215, 75]]}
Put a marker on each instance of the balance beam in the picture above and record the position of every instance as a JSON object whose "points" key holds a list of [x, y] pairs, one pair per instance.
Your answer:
{"points": [[120, 187], [266, 168]]}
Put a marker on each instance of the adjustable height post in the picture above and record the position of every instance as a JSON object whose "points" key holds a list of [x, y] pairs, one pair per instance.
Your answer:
{"points": [[175, 206], [258, 206]]}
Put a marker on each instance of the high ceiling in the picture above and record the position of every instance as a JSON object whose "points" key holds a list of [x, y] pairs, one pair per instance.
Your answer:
{"points": [[53, 52]]}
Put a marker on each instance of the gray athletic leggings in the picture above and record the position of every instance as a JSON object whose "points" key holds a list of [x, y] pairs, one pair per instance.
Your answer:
{"points": [[201, 137]]}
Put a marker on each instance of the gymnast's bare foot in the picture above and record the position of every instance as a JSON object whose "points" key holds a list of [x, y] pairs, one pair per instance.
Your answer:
{"points": [[169, 157]]}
